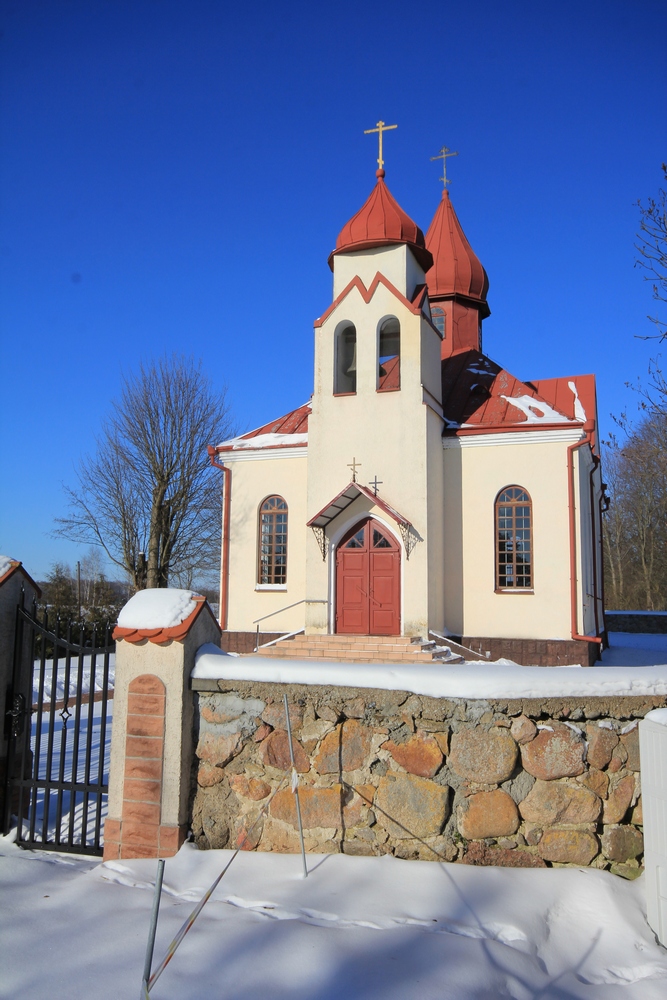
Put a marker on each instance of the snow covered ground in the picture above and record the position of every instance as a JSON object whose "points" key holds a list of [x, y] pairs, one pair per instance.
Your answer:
{"points": [[632, 649], [57, 683], [59, 749], [357, 928]]}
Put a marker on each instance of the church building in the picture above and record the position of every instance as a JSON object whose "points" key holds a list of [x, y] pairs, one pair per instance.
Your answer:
{"points": [[423, 491]]}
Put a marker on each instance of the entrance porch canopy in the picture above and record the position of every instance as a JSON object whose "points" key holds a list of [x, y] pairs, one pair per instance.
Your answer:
{"points": [[348, 496]]}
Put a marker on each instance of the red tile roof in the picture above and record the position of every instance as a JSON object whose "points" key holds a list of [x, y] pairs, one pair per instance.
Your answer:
{"points": [[17, 566], [162, 636]]}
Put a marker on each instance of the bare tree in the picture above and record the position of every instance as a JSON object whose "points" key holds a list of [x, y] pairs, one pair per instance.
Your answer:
{"points": [[148, 496], [636, 523], [652, 248]]}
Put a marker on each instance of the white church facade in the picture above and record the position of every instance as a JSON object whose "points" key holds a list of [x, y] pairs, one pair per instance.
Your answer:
{"points": [[423, 490]]}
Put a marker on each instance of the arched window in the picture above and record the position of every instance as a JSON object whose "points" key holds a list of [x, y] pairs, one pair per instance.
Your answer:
{"points": [[514, 540], [389, 355], [272, 562], [438, 317], [345, 359]]}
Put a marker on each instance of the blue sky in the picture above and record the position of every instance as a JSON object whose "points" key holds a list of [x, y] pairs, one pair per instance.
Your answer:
{"points": [[174, 175]]}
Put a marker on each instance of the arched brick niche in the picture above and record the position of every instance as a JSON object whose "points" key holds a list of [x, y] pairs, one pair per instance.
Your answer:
{"points": [[139, 833]]}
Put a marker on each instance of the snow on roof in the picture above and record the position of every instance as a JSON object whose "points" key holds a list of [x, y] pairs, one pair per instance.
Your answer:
{"points": [[535, 410], [485, 680], [288, 431], [6, 563], [477, 392], [157, 608]]}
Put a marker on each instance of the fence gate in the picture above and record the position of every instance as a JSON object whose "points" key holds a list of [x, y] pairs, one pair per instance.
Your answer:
{"points": [[58, 716]]}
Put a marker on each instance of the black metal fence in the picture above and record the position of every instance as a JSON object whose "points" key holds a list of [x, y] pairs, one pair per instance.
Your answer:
{"points": [[59, 715]]}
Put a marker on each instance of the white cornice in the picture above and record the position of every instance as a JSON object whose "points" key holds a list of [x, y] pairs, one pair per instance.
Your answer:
{"points": [[565, 436], [261, 454]]}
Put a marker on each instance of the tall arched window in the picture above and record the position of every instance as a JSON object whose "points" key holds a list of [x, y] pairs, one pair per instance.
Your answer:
{"points": [[345, 359], [514, 540], [389, 355], [272, 562]]}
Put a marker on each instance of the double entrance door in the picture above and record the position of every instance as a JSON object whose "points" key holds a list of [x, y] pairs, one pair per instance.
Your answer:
{"points": [[368, 581]]}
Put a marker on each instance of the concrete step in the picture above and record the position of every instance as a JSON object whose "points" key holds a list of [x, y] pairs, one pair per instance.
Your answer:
{"points": [[413, 661], [284, 650]]}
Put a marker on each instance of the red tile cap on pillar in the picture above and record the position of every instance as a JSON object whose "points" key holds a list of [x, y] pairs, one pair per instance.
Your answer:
{"points": [[456, 268], [380, 222]]}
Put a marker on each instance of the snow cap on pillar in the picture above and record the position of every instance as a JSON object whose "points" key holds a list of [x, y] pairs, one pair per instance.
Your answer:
{"points": [[456, 271], [381, 222]]}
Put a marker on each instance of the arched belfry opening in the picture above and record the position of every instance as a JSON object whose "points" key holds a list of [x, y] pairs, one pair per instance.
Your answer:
{"points": [[368, 581], [345, 359], [389, 355]]}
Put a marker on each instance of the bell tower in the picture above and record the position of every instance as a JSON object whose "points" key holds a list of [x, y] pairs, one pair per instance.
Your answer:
{"points": [[376, 410]]}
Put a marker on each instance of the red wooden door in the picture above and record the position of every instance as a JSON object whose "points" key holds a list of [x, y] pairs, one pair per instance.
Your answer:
{"points": [[368, 582]]}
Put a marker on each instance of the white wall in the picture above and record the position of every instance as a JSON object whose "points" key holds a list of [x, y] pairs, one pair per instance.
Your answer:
{"points": [[484, 465], [396, 263], [252, 481]]}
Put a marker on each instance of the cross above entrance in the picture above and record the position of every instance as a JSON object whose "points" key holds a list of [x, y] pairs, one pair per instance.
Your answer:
{"points": [[442, 155], [381, 127], [375, 483], [354, 465]]}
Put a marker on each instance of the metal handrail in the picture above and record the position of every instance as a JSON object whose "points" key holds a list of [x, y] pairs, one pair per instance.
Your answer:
{"points": [[304, 600]]}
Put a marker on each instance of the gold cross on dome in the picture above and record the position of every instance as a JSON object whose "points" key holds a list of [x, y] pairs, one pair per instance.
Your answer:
{"points": [[442, 155], [354, 465], [380, 128]]}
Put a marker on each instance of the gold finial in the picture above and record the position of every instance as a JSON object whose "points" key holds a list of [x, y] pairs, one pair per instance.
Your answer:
{"points": [[442, 155], [381, 127]]}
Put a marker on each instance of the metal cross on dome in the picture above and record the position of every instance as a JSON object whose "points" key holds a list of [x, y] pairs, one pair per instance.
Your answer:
{"points": [[354, 465], [380, 128], [442, 155]]}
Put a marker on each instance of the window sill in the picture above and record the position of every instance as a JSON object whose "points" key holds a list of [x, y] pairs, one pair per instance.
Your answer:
{"points": [[345, 394], [270, 586], [395, 388], [514, 590]]}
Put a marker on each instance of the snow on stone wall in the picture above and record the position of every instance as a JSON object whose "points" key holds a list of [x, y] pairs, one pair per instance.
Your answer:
{"points": [[525, 782]]}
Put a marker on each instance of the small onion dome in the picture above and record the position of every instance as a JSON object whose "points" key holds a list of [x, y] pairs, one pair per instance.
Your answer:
{"points": [[456, 269], [380, 222]]}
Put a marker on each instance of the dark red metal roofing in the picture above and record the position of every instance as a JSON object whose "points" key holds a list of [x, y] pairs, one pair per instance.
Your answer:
{"points": [[473, 388], [456, 268], [379, 222], [294, 422]]}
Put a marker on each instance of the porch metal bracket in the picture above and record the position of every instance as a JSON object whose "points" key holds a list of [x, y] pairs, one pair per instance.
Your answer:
{"points": [[409, 536], [321, 539]]}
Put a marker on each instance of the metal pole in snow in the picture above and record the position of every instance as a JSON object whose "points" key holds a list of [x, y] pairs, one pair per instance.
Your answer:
{"points": [[295, 788], [153, 927]]}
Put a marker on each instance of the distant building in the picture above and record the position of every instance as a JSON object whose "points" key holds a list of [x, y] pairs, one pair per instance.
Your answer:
{"points": [[422, 488]]}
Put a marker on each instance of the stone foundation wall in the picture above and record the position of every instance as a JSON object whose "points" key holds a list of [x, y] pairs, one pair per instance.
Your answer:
{"points": [[526, 783]]}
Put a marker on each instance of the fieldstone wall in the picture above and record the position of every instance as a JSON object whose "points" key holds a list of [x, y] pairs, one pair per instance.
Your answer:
{"points": [[526, 783]]}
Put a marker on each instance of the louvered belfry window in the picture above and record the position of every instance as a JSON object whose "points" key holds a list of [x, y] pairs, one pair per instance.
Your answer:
{"points": [[514, 540], [272, 567]]}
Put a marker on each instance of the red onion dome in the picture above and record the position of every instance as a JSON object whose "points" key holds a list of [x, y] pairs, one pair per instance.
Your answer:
{"points": [[380, 222]]}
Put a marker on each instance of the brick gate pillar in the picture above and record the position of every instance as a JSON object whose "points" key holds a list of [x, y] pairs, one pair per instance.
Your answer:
{"points": [[152, 742]]}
